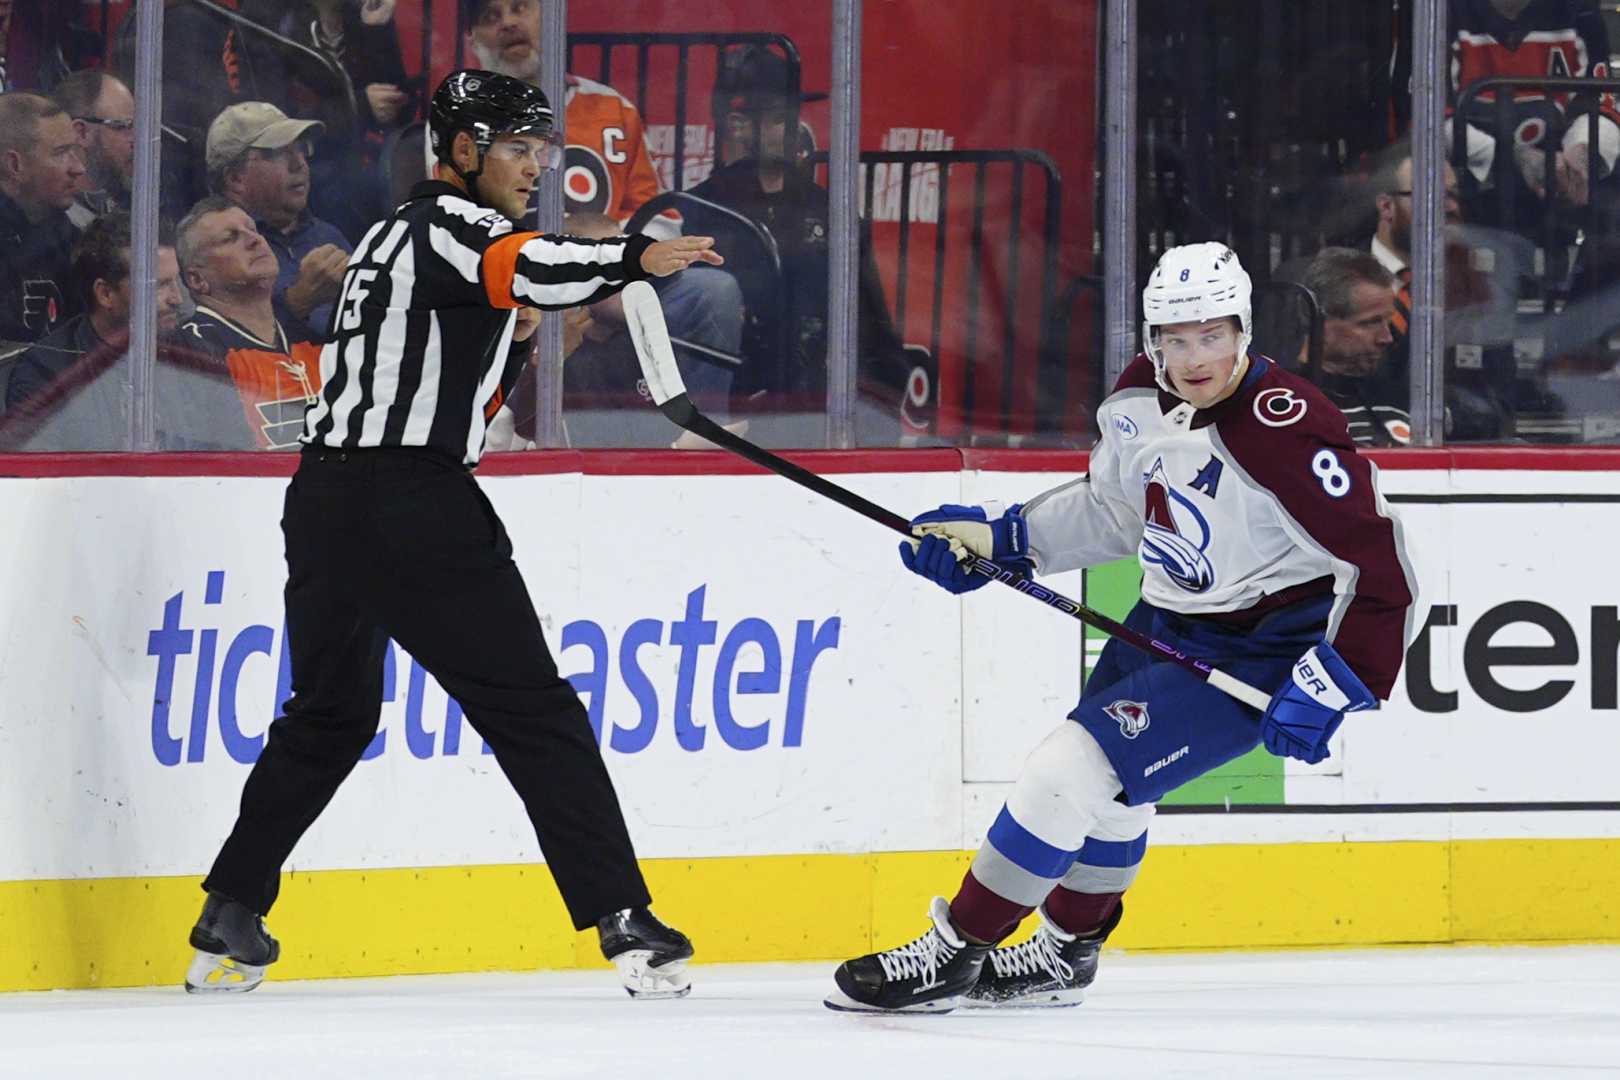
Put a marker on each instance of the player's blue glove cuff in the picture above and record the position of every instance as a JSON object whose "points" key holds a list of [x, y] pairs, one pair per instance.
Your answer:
{"points": [[1306, 711], [1004, 539], [950, 536]]}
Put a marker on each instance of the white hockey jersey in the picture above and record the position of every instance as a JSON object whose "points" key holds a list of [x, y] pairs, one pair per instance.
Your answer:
{"points": [[1256, 502]]}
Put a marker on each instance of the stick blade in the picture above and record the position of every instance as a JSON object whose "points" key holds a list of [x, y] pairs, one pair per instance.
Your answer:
{"points": [[645, 317]]}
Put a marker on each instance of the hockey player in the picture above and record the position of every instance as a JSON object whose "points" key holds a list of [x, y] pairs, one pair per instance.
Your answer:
{"points": [[389, 536], [1265, 548]]}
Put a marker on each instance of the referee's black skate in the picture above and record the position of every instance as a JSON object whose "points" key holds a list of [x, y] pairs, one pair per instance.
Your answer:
{"points": [[651, 957], [929, 975], [233, 949], [1052, 968]]}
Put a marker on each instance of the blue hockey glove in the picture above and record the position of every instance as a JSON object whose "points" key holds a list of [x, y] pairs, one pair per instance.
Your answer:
{"points": [[960, 532], [1306, 711]]}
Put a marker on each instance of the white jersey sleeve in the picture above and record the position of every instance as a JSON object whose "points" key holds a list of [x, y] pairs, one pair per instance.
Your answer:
{"points": [[1085, 522]]}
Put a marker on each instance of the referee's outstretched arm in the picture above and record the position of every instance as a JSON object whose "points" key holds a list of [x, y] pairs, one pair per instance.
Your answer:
{"points": [[529, 269], [508, 269], [500, 141]]}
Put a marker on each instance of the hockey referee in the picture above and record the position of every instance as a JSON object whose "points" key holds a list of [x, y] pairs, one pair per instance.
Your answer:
{"points": [[388, 536]]}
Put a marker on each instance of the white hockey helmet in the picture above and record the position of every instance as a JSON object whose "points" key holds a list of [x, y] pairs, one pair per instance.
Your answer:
{"points": [[1196, 283]]}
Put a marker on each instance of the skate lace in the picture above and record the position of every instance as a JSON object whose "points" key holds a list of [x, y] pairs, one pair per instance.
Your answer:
{"points": [[920, 959], [1039, 953]]}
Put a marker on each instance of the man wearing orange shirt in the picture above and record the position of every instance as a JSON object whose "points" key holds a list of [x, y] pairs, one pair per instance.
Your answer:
{"points": [[608, 170], [231, 273]]}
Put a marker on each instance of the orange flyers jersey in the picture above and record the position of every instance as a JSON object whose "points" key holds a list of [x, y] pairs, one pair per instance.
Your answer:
{"points": [[276, 380], [608, 167]]}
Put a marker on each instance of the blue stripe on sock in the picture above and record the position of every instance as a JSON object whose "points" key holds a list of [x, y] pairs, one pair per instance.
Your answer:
{"points": [[1027, 850], [1122, 854]]}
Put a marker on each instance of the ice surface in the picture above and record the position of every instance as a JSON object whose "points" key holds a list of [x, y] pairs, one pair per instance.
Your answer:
{"points": [[1416, 1014]]}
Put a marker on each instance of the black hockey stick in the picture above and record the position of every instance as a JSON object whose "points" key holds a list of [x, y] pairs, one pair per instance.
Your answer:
{"points": [[645, 317]]}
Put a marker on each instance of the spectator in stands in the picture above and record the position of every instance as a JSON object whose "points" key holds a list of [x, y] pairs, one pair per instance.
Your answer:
{"points": [[40, 170], [361, 37], [231, 272], [609, 167], [785, 334], [71, 390], [1357, 298], [103, 112], [259, 159], [1560, 38], [1392, 239], [1481, 275]]}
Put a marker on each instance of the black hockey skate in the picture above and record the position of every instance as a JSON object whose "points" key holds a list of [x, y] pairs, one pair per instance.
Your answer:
{"points": [[1050, 969], [929, 975], [650, 956], [233, 949]]}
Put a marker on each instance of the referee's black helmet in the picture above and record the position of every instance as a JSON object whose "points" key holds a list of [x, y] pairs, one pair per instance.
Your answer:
{"points": [[486, 106]]}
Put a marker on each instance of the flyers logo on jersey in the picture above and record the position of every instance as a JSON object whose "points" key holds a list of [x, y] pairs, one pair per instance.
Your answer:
{"points": [[1175, 535], [586, 180]]}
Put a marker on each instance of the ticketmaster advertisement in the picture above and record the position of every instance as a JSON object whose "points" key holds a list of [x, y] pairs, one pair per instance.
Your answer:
{"points": [[763, 676]]}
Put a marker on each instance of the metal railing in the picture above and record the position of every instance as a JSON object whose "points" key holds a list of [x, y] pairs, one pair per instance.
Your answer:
{"points": [[1052, 374], [683, 44], [340, 78], [1503, 164]]}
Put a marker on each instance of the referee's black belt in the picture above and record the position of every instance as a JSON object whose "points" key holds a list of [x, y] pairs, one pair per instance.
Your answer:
{"points": [[367, 458]]}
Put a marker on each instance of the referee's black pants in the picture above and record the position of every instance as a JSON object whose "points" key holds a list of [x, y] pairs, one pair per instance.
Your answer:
{"points": [[402, 544]]}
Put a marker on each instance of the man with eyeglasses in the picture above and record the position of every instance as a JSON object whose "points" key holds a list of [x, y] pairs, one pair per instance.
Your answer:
{"points": [[258, 158], [103, 112], [40, 169], [1479, 303]]}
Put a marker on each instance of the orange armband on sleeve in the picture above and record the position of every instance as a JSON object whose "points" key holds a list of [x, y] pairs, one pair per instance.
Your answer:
{"points": [[500, 267]]}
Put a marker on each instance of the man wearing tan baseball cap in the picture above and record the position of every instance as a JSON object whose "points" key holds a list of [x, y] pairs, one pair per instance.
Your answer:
{"points": [[258, 157], [253, 125]]}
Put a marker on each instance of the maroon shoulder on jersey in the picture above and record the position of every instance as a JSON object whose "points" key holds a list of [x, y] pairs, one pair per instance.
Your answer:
{"points": [[1138, 373], [1293, 441]]}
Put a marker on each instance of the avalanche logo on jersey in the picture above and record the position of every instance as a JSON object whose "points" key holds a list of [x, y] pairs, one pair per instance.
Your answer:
{"points": [[1175, 534], [1132, 717]]}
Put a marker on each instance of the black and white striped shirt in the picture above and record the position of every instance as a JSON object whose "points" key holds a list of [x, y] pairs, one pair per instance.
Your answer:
{"points": [[420, 348]]}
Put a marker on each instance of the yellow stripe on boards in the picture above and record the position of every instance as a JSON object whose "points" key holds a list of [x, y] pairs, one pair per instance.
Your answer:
{"points": [[1284, 895], [1536, 890], [336, 923]]}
